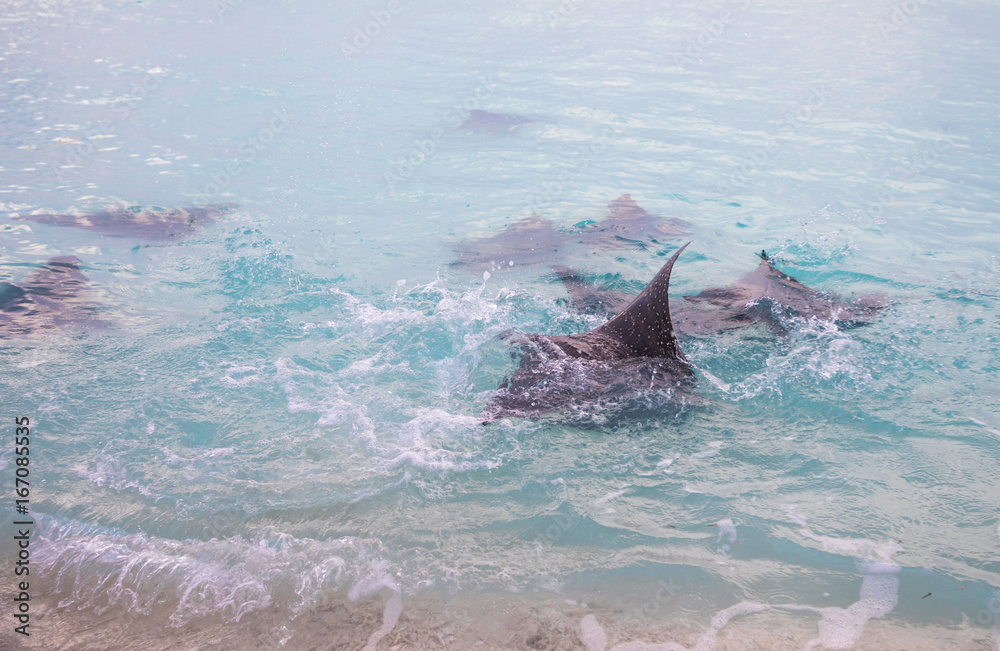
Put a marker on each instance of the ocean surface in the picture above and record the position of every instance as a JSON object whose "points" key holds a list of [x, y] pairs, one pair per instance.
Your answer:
{"points": [[275, 439]]}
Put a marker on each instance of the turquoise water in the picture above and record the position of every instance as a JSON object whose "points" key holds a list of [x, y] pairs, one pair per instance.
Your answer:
{"points": [[277, 439]]}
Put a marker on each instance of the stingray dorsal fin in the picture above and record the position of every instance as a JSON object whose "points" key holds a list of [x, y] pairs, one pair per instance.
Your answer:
{"points": [[644, 326]]}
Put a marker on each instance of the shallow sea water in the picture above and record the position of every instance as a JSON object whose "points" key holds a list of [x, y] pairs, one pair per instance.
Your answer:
{"points": [[276, 442]]}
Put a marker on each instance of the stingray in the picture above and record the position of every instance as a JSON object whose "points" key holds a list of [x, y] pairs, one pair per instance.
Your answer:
{"points": [[533, 240], [536, 241], [139, 222], [627, 224], [631, 362], [496, 123], [764, 296], [54, 296], [767, 295]]}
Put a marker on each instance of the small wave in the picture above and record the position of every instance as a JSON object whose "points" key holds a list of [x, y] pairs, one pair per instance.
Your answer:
{"points": [[99, 569]]}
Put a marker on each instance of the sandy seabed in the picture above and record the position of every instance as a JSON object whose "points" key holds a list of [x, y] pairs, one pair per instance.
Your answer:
{"points": [[483, 620]]}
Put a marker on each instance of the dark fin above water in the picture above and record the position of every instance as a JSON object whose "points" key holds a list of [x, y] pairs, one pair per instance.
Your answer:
{"points": [[140, 222], [631, 360], [644, 326]]}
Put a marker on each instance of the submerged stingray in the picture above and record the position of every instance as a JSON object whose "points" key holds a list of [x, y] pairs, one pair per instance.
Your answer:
{"points": [[626, 224], [536, 240], [768, 296], [632, 361], [533, 240], [764, 295], [487, 122], [52, 297], [149, 223]]}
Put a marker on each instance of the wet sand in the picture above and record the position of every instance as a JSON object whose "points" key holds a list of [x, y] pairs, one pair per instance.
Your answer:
{"points": [[483, 620]]}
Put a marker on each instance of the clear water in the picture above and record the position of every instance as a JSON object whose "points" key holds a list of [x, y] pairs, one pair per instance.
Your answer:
{"points": [[278, 442]]}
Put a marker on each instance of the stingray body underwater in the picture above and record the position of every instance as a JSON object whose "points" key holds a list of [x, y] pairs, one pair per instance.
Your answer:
{"points": [[628, 224], [764, 296], [535, 240], [52, 297], [139, 222], [496, 123], [531, 241]]}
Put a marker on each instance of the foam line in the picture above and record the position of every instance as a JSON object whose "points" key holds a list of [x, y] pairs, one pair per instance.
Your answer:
{"points": [[592, 634], [393, 608], [839, 628], [392, 611]]}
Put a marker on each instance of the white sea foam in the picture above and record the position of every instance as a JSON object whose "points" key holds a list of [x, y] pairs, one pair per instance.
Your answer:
{"points": [[451, 308], [374, 581], [793, 516], [822, 353], [868, 550], [372, 366], [426, 441], [713, 449], [334, 408], [435, 460], [592, 634], [719, 384], [839, 628], [611, 496], [241, 376], [101, 569], [726, 530]]}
